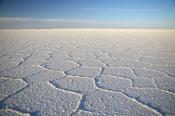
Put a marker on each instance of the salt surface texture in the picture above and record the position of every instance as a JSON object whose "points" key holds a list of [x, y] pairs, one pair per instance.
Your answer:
{"points": [[128, 72]]}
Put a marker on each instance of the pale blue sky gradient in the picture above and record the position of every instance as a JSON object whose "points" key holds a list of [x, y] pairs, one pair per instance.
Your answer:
{"points": [[87, 13]]}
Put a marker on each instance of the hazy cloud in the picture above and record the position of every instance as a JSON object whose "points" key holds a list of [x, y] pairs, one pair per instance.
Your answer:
{"points": [[6, 22], [15, 23]]}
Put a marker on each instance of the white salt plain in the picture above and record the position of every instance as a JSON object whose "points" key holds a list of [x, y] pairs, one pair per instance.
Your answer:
{"points": [[87, 72]]}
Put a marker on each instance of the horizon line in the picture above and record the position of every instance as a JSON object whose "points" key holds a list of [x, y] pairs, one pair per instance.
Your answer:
{"points": [[59, 23]]}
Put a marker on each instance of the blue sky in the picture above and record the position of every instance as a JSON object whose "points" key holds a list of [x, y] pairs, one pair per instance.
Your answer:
{"points": [[87, 13]]}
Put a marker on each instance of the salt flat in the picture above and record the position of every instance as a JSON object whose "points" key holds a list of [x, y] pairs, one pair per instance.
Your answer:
{"points": [[87, 72]]}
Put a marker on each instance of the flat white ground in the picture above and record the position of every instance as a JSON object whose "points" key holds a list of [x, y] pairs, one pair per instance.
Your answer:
{"points": [[87, 72]]}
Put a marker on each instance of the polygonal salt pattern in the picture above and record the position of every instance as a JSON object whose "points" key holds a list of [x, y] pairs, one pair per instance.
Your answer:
{"points": [[87, 72], [76, 84], [44, 76], [60, 65], [11, 86], [109, 103], [119, 71], [47, 101], [91, 72]]}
